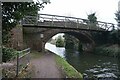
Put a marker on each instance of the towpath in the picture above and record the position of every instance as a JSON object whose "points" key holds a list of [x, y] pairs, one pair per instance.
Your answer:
{"points": [[45, 67]]}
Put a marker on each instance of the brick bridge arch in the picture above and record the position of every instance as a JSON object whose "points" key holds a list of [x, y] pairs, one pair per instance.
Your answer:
{"points": [[45, 24], [32, 37]]}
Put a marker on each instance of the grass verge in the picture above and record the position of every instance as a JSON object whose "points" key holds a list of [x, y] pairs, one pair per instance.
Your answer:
{"points": [[69, 71]]}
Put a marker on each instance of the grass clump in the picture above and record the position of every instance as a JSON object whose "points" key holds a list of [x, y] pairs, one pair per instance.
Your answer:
{"points": [[69, 71]]}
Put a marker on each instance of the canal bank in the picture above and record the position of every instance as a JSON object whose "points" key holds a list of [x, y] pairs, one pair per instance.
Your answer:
{"points": [[68, 70], [90, 65], [108, 50], [49, 65]]}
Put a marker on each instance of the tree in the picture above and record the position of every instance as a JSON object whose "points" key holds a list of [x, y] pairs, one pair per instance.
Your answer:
{"points": [[92, 21], [92, 18], [114, 37], [60, 42], [13, 12], [117, 35], [118, 17], [69, 41]]}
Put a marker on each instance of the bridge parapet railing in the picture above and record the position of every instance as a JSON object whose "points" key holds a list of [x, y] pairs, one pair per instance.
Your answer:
{"points": [[61, 21], [67, 22], [106, 26], [30, 20]]}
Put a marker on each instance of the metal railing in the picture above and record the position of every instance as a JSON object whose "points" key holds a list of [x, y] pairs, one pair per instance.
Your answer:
{"points": [[23, 59], [66, 22], [14, 67]]}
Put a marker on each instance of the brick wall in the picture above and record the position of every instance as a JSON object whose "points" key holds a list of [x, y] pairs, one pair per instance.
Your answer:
{"points": [[17, 38]]}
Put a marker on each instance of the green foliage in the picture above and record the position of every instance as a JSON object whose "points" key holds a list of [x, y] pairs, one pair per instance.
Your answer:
{"points": [[60, 42], [72, 42], [100, 37], [104, 50], [69, 71], [69, 42], [114, 37], [7, 54], [13, 12], [117, 14], [92, 21], [92, 18]]}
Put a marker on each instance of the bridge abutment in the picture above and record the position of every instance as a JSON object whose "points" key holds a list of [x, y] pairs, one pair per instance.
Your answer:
{"points": [[33, 41], [36, 45]]}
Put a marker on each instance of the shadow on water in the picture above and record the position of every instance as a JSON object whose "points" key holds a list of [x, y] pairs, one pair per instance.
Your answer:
{"points": [[93, 66]]}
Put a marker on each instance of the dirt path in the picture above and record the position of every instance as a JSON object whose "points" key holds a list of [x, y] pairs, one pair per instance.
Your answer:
{"points": [[45, 67]]}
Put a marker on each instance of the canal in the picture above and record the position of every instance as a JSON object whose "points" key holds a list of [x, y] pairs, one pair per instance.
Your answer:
{"points": [[92, 66]]}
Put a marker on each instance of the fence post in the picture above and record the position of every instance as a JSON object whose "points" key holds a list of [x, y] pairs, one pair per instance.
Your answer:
{"points": [[29, 56], [65, 22], [17, 70], [113, 27], [52, 23], [77, 23]]}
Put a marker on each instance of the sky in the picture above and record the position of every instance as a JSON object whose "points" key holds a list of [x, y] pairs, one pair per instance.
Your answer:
{"points": [[105, 9]]}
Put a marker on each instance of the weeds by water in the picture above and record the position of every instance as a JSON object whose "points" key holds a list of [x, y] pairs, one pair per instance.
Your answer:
{"points": [[69, 71], [111, 51]]}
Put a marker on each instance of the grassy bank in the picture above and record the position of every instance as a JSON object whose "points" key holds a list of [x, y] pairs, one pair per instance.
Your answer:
{"points": [[69, 71], [108, 50]]}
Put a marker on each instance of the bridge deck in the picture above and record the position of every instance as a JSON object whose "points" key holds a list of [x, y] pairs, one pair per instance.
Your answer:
{"points": [[64, 22], [57, 27]]}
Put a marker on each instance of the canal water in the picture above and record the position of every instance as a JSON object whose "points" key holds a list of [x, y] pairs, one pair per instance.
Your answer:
{"points": [[92, 67]]}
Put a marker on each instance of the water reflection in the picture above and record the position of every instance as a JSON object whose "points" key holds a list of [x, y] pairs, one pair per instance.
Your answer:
{"points": [[90, 65], [59, 51]]}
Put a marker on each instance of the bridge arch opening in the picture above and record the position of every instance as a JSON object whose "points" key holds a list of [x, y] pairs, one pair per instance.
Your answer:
{"points": [[33, 39], [78, 40]]}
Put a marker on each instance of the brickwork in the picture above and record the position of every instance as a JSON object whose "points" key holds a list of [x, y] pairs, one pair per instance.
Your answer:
{"points": [[35, 42], [17, 38]]}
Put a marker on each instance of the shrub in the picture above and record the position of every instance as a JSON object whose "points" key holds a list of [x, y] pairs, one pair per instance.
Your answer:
{"points": [[60, 42], [7, 54], [113, 51]]}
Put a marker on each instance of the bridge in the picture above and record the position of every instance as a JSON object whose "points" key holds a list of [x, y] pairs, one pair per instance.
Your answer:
{"points": [[39, 29], [65, 22]]}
